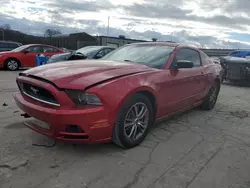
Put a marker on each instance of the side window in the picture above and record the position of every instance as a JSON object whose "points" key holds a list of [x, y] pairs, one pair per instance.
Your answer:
{"points": [[188, 55], [35, 49], [13, 45], [100, 54], [108, 50], [47, 49]]}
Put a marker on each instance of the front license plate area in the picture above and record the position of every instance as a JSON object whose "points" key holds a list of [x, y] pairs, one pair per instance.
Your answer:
{"points": [[41, 124]]}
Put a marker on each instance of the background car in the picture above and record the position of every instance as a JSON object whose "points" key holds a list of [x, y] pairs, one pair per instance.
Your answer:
{"points": [[8, 45], [240, 53], [119, 97], [25, 56], [88, 52], [237, 69]]}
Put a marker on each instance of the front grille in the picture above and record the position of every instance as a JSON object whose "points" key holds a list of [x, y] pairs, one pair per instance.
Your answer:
{"points": [[235, 71], [39, 94]]}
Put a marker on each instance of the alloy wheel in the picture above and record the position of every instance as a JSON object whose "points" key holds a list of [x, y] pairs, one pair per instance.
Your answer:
{"points": [[136, 121], [12, 65], [213, 96]]}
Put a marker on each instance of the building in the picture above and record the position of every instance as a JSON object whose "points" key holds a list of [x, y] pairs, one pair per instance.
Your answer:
{"points": [[73, 41], [115, 41]]}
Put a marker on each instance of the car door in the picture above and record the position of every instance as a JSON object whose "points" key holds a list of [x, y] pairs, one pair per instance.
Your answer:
{"points": [[28, 56], [183, 86]]}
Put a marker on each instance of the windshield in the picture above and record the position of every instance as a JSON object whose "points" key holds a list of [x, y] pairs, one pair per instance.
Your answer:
{"points": [[20, 48], [88, 49], [150, 55]]}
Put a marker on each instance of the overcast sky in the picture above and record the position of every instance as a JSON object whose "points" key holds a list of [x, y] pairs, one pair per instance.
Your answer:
{"points": [[206, 23]]}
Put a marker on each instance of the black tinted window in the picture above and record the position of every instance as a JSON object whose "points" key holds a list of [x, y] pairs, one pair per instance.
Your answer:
{"points": [[12, 45], [188, 55], [3, 45], [8, 45]]}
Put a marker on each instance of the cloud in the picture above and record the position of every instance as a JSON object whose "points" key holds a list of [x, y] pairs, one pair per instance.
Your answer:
{"points": [[74, 6], [204, 23], [181, 36], [172, 11]]}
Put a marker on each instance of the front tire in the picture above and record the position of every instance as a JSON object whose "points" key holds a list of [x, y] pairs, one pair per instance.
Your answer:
{"points": [[211, 98], [133, 122], [12, 64]]}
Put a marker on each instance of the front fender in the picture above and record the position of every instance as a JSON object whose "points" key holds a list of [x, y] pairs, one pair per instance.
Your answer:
{"points": [[116, 92]]}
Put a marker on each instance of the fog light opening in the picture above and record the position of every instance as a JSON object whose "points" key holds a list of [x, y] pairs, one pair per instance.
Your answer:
{"points": [[74, 129]]}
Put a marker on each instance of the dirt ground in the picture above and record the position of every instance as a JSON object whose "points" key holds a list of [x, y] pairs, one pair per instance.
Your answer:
{"points": [[197, 149]]}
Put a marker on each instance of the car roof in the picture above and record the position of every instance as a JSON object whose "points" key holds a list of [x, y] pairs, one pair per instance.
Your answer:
{"points": [[28, 45], [12, 42]]}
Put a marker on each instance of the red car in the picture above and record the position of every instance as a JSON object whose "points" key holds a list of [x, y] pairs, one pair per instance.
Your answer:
{"points": [[119, 97], [25, 56]]}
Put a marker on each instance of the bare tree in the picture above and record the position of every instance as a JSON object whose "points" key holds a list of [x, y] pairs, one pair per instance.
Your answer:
{"points": [[52, 32], [154, 39], [5, 26]]}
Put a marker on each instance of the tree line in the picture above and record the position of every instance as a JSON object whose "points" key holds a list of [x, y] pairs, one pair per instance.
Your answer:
{"points": [[47, 33]]}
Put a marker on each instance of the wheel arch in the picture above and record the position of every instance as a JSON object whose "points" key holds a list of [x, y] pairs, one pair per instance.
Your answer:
{"points": [[14, 58], [146, 91]]}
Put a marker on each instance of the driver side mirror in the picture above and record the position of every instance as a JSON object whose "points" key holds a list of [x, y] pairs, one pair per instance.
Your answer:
{"points": [[26, 51], [184, 64]]}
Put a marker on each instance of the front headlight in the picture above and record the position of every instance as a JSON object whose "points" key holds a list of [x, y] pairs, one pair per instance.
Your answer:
{"points": [[83, 98]]}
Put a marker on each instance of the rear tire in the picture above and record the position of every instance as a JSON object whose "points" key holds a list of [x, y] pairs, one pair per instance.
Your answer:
{"points": [[12, 64], [211, 98], [133, 122]]}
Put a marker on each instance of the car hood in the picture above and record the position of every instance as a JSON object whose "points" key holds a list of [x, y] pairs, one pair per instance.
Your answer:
{"points": [[82, 74]]}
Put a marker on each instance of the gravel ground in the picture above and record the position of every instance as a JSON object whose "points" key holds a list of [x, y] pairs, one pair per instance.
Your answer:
{"points": [[197, 149]]}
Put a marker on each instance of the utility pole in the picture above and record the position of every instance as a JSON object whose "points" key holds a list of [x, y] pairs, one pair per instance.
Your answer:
{"points": [[2, 32], [107, 31]]}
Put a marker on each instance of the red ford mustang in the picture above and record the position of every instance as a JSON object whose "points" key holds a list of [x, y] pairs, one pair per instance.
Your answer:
{"points": [[25, 56], [119, 97]]}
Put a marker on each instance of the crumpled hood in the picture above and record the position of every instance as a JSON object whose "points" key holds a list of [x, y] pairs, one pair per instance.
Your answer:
{"points": [[84, 73]]}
